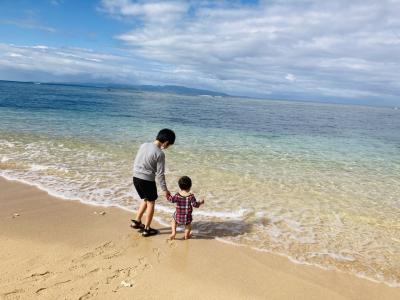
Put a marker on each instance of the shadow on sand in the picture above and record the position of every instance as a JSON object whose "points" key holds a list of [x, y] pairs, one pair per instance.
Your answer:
{"points": [[210, 230]]}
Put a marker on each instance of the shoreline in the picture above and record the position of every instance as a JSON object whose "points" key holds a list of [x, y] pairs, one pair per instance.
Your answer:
{"points": [[95, 253], [156, 220]]}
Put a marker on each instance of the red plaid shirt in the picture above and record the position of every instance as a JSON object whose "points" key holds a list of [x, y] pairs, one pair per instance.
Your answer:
{"points": [[184, 208]]}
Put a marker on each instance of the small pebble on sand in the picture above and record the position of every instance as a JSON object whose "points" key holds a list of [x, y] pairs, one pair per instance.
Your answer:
{"points": [[126, 284], [99, 213]]}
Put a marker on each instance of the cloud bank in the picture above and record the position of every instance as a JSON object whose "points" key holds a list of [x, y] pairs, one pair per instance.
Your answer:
{"points": [[283, 49]]}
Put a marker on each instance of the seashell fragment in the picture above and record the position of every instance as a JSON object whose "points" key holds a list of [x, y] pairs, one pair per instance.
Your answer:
{"points": [[126, 284]]}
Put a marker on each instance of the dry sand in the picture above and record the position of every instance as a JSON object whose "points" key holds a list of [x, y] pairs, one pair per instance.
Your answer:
{"points": [[57, 249]]}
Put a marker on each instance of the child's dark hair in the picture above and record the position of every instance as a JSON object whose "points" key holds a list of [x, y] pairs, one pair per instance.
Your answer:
{"points": [[185, 183], [166, 135]]}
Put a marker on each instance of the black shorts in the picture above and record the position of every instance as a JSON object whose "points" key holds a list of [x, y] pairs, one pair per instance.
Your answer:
{"points": [[146, 189]]}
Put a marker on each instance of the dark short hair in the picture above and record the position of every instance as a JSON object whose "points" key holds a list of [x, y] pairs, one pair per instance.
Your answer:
{"points": [[185, 183], [166, 135]]}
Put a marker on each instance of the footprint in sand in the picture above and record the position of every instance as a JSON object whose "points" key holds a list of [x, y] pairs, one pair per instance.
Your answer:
{"points": [[97, 251], [62, 282], [112, 254], [40, 290], [144, 263], [126, 271], [171, 243], [13, 294], [38, 276], [117, 273], [86, 296], [110, 278], [157, 253], [95, 286], [76, 267]]}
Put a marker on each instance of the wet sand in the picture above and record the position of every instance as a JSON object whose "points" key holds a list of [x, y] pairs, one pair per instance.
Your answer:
{"points": [[56, 249]]}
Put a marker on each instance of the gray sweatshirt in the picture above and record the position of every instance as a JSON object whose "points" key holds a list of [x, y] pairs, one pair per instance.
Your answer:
{"points": [[149, 163]]}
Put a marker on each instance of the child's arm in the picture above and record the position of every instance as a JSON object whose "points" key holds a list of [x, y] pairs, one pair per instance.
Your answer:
{"points": [[171, 198], [196, 203]]}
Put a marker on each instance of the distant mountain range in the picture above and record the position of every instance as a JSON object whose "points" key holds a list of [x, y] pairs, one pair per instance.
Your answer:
{"points": [[172, 89], [183, 90], [176, 89]]}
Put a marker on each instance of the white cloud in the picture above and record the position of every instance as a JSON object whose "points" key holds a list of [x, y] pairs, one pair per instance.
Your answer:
{"points": [[52, 64], [158, 12], [40, 47], [64, 61], [14, 55], [290, 77], [56, 2], [28, 24], [298, 49], [332, 46]]}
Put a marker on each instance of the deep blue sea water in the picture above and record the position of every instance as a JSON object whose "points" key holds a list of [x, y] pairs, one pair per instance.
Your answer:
{"points": [[318, 183]]}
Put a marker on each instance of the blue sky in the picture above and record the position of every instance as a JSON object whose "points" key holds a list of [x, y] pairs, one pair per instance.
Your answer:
{"points": [[347, 51]]}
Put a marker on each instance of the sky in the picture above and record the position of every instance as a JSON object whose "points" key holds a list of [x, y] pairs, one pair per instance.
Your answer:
{"points": [[339, 51]]}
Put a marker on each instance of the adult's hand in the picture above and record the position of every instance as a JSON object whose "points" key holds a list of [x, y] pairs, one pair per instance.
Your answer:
{"points": [[167, 194]]}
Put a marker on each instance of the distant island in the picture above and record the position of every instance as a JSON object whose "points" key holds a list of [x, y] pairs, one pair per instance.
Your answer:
{"points": [[183, 90], [176, 89], [172, 89]]}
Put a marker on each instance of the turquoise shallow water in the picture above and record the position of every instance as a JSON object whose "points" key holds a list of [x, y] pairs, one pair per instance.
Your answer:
{"points": [[318, 183]]}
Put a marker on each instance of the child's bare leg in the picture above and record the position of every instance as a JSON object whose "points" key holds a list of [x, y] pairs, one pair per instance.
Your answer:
{"points": [[173, 228], [149, 212], [188, 231], [141, 210]]}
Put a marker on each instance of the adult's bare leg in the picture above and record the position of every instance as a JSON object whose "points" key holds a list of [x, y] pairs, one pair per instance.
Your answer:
{"points": [[141, 210], [149, 213]]}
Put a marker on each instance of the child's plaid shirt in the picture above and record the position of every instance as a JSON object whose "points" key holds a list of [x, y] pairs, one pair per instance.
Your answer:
{"points": [[184, 208]]}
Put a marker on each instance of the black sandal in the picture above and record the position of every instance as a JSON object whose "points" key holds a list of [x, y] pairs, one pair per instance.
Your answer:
{"points": [[137, 225], [149, 232]]}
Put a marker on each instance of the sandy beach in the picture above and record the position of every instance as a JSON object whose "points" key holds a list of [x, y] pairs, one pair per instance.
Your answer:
{"points": [[56, 249]]}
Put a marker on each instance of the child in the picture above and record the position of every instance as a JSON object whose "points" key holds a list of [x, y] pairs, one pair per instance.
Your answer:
{"points": [[149, 164], [185, 201]]}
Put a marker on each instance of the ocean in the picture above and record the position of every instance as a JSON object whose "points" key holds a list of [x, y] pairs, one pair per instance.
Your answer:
{"points": [[318, 183]]}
